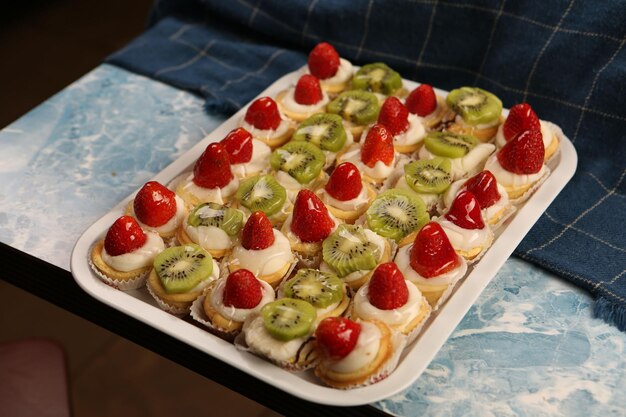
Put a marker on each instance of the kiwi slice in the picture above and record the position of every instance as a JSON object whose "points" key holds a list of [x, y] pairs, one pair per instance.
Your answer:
{"points": [[262, 193], [432, 176], [396, 213], [358, 107], [302, 160], [475, 105], [347, 250], [378, 78], [449, 144], [321, 289], [181, 268], [324, 130], [213, 214], [288, 318]]}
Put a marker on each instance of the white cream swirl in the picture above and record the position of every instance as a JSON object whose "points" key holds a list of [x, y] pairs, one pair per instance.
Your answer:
{"points": [[267, 134], [234, 313], [343, 74], [258, 163], [380, 171], [211, 195], [139, 258], [364, 352], [400, 316], [466, 164], [415, 132], [215, 274], [349, 205], [466, 239], [403, 260], [210, 237], [510, 179], [264, 261]]}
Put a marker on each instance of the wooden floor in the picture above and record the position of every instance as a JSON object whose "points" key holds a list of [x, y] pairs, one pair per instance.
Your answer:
{"points": [[43, 50]]}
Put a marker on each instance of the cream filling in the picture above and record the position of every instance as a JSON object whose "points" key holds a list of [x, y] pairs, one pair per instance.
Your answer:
{"points": [[467, 163], [289, 103], [510, 179], [291, 236], [343, 74], [259, 339], [488, 212], [403, 260], [215, 274], [267, 134], [459, 120], [429, 199], [400, 316], [415, 133], [214, 195], [234, 313], [139, 258], [259, 162], [172, 224], [349, 205], [547, 135], [210, 237], [465, 239], [364, 352], [264, 261], [380, 171]]}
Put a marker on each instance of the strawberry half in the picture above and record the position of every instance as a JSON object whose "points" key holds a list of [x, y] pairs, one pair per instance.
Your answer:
{"points": [[310, 221], [242, 290], [432, 254], [263, 114], [337, 336], [345, 182], [422, 101], [257, 233], [378, 146], [308, 90], [394, 116], [387, 288], [523, 154], [154, 204], [124, 236], [465, 212], [238, 144], [521, 117], [323, 61], [212, 169], [484, 187]]}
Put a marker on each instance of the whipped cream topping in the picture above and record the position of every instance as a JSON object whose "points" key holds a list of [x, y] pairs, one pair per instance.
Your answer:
{"points": [[267, 134], [264, 261], [510, 179], [234, 313], [291, 236], [213, 195], [210, 237], [488, 212], [289, 103], [139, 258], [291, 185], [429, 199], [258, 163], [400, 316], [215, 274], [466, 164], [465, 239], [172, 224], [259, 339], [380, 171], [547, 135], [364, 351], [403, 260], [343, 74], [415, 133], [349, 205]]}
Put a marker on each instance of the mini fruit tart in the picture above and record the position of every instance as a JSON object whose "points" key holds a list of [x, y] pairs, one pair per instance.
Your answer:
{"points": [[211, 181], [264, 251], [388, 298], [333, 71], [353, 252], [264, 193], [304, 100], [298, 165], [213, 226], [327, 132], [264, 121], [476, 112], [158, 209], [345, 194], [466, 154], [247, 156], [428, 179], [432, 264], [407, 129], [357, 108], [423, 102], [378, 78], [124, 258], [180, 274]]}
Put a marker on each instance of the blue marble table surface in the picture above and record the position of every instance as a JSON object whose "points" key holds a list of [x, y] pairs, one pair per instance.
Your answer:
{"points": [[528, 347]]}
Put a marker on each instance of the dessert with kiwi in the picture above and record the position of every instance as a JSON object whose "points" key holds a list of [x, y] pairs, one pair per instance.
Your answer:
{"points": [[428, 179], [475, 112], [377, 77], [357, 108], [327, 132], [297, 165], [264, 193]]}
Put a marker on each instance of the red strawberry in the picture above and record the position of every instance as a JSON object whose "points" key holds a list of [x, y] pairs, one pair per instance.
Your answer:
{"points": [[242, 290], [523, 154], [337, 336], [263, 114], [154, 204], [311, 221], [124, 236], [378, 146], [257, 232], [432, 254], [212, 169], [422, 101], [387, 287], [521, 117], [484, 187], [323, 61], [238, 144], [465, 211], [345, 182], [308, 90], [394, 116]]}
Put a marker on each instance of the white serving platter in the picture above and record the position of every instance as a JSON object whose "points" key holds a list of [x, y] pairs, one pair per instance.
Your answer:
{"points": [[140, 305]]}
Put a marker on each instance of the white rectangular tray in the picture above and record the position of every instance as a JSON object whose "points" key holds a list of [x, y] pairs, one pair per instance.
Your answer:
{"points": [[415, 359]]}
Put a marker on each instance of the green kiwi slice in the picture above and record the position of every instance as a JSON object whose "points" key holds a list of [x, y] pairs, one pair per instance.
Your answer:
{"points": [[396, 213], [347, 250], [181, 268], [262, 193], [288, 318], [378, 78], [321, 289], [324, 130], [432, 176], [475, 105], [358, 107], [448, 144], [213, 214], [302, 160]]}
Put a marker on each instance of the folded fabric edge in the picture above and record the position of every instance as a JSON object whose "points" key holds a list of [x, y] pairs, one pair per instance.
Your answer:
{"points": [[611, 312]]}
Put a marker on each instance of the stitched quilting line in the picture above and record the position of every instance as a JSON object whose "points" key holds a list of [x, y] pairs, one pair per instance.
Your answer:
{"points": [[186, 64], [366, 28], [254, 12], [305, 28], [490, 43], [431, 19], [246, 75], [591, 235], [209, 57], [592, 175]]}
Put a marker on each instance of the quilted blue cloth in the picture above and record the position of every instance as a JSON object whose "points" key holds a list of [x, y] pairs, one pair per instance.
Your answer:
{"points": [[565, 57]]}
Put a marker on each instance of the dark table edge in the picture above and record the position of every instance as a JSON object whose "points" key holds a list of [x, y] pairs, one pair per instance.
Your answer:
{"points": [[58, 287]]}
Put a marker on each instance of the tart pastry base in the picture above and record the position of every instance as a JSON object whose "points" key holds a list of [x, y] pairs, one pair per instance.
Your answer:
{"points": [[128, 280], [276, 141], [483, 135], [175, 302]]}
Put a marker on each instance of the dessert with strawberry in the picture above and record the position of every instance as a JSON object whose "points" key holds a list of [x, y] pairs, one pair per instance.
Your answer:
{"points": [[519, 165], [124, 257], [212, 179], [465, 227], [263, 250], [333, 71], [264, 121], [303, 100], [475, 112], [248, 156], [158, 209], [424, 103], [405, 128], [522, 117], [390, 298]]}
